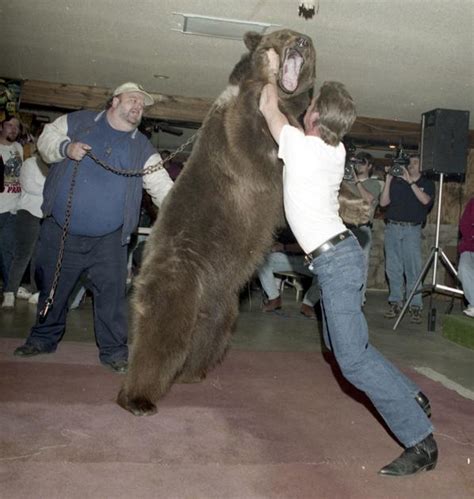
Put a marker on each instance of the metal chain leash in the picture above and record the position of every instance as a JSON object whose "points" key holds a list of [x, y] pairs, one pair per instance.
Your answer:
{"points": [[57, 272], [67, 217], [148, 169]]}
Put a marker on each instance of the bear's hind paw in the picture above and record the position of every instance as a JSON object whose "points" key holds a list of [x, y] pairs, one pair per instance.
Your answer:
{"points": [[138, 406]]}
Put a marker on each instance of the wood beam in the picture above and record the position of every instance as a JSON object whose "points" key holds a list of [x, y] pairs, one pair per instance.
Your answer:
{"points": [[190, 109]]}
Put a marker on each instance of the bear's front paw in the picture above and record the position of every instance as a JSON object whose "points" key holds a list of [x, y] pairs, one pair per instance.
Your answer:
{"points": [[138, 406]]}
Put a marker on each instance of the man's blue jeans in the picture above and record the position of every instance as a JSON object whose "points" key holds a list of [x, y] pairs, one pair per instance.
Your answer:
{"points": [[340, 274], [403, 261]]}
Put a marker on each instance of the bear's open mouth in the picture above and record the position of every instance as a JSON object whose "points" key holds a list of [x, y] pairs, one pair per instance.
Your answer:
{"points": [[290, 70]]}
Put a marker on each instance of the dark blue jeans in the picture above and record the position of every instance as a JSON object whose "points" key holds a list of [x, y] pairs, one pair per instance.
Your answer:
{"points": [[27, 228], [341, 275], [7, 245], [104, 260]]}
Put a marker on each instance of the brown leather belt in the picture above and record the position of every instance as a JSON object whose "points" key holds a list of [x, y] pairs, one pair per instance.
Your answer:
{"points": [[329, 244]]}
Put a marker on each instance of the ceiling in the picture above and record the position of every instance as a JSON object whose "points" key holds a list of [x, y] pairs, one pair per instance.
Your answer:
{"points": [[398, 58]]}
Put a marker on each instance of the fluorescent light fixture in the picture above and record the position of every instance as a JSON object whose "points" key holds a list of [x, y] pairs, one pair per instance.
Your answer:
{"points": [[218, 27]]}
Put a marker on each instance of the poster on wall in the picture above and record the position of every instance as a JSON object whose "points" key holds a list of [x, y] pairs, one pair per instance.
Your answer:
{"points": [[10, 91]]}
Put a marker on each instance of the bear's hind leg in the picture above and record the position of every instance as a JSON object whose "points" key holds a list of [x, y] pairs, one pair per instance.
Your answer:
{"points": [[163, 328], [211, 337]]}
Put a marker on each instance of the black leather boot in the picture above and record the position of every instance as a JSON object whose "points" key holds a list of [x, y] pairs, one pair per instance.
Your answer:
{"points": [[424, 403], [421, 457]]}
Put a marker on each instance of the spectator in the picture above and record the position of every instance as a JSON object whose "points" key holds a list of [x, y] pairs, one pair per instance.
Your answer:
{"points": [[11, 154], [27, 226], [408, 199], [286, 256], [466, 257], [369, 189], [106, 208]]}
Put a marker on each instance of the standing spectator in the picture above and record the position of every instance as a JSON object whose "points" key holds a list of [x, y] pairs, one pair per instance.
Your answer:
{"points": [[12, 157], [369, 189], [408, 199], [105, 211], [312, 173], [27, 226], [466, 257]]}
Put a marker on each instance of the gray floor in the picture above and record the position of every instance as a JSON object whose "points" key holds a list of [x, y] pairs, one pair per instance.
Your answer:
{"points": [[409, 345]]}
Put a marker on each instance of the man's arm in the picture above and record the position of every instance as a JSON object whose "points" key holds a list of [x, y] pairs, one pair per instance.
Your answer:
{"points": [[385, 196], [158, 183], [268, 105], [54, 144], [422, 196], [365, 194]]}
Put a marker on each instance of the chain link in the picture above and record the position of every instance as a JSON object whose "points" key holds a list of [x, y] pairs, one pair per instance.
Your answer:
{"points": [[57, 272], [148, 169]]}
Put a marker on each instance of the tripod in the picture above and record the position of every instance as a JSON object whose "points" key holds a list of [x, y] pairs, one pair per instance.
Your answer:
{"points": [[436, 252]]}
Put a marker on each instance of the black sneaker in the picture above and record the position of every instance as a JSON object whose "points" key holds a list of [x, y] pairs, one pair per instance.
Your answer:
{"points": [[27, 350], [394, 309], [415, 315], [118, 366]]}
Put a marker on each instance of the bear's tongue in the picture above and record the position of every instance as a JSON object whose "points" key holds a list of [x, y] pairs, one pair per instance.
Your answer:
{"points": [[291, 70]]}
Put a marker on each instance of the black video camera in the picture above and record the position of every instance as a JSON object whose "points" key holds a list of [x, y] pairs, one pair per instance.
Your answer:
{"points": [[350, 166], [400, 162]]}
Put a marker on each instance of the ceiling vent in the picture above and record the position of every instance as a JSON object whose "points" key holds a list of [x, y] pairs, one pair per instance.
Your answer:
{"points": [[217, 27]]}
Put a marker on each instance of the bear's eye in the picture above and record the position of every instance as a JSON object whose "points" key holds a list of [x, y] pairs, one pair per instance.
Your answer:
{"points": [[302, 42]]}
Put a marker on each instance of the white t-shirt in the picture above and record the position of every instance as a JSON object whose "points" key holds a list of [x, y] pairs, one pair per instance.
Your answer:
{"points": [[32, 183], [312, 175], [12, 155]]}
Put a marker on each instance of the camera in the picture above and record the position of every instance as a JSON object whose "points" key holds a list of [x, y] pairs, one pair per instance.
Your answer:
{"points": [[350, 166], [400, 162]]}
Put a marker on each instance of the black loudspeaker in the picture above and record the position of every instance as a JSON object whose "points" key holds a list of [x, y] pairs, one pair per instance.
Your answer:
{"points": [[444, 141]]}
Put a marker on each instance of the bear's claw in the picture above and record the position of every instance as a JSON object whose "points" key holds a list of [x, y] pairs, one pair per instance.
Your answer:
{"points": [[138, 406]]}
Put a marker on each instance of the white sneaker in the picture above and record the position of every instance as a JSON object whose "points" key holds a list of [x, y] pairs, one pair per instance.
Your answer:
{"points": [[8, 300], [469, 311], [23, 293], [34, 299]]}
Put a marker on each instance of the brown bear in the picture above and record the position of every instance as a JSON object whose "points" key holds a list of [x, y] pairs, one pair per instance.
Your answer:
{"points": [[214, 227]]}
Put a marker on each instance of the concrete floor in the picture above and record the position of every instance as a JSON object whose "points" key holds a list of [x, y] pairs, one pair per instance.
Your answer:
{"points": [[287, 330]]}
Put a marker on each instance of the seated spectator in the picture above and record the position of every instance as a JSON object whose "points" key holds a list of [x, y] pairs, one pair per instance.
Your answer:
{"points": [[466, 258], [286, 256]]}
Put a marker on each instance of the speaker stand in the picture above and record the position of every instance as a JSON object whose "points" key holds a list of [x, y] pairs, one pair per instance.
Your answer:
{"points": [[436, 253]]}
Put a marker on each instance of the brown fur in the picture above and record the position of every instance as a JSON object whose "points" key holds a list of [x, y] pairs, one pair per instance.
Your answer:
{"points": [[212, 232]]}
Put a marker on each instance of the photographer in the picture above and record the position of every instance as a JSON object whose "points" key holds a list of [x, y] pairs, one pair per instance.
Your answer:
{"points": [[369, 189], [408, 197]]}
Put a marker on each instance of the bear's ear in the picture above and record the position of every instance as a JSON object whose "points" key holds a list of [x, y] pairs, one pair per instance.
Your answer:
{"points": [[252, 39]]}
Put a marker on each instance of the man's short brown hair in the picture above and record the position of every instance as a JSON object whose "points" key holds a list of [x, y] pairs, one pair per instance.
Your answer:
{"points": [[337, 112]]}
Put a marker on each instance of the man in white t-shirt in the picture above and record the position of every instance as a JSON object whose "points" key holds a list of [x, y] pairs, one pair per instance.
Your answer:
{"points": [[12, 157], [313, 171]]}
